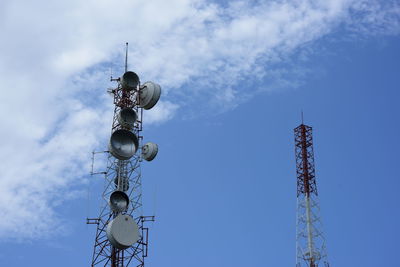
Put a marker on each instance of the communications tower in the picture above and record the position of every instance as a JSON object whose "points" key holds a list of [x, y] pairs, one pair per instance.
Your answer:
{"points": [[121, 236], [310, 241]]}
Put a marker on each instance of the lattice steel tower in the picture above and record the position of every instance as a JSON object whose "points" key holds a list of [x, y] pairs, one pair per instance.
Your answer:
{"points": [[121, 236], [310, 241]]}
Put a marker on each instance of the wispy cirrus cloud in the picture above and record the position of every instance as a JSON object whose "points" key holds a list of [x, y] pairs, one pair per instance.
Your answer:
{"points": [[55, 65], [374, 17]]}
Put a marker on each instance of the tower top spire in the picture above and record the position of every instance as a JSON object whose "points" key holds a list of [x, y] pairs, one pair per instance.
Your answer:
{"points": [[126, 57]]}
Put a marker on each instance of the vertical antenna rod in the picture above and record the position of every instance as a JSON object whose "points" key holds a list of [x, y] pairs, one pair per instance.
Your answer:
{"points": [[126, 57], [310, 240]]}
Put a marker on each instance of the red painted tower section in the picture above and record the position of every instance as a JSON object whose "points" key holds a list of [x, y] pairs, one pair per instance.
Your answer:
{"points": [[310, 245]]}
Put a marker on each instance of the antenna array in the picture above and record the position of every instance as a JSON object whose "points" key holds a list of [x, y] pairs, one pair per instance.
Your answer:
{"points": [[121, 236]]}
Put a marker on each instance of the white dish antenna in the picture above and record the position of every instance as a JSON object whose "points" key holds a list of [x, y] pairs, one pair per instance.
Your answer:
{"points": [[127, 118], [149, 151], [149, 95], [123, 144], [122, 231]]}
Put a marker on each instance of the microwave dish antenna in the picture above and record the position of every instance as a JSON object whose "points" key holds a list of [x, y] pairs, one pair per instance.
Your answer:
{"points": [[149, 95], [129, 81], [122, 231], [127, 117], [123, 144], [119, 201], [149, 151]]}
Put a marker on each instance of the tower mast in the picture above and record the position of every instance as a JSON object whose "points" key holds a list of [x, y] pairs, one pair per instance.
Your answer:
{"points": [[121, 237], [310, 241]]}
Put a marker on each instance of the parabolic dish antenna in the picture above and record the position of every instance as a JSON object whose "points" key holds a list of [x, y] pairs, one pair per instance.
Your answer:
{"points": [[127, 117], [123, 144], [149, 151], [119, 201], [129, 81], [149, 95], [122, 231]]}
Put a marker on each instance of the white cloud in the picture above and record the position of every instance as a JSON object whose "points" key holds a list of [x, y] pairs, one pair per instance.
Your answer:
{"points": [[163, 111], [375, 17], [54, 70]]}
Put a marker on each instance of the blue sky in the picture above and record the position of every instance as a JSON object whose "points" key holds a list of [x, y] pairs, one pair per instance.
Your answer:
{"points": [[235, 77]]}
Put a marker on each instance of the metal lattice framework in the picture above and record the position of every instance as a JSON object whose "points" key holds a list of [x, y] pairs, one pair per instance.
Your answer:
{"points": [[310, 241], [122, 175]]}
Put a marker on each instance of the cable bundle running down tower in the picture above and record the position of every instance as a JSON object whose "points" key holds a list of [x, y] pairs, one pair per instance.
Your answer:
{"points": [[121, 236], [310, 242]]}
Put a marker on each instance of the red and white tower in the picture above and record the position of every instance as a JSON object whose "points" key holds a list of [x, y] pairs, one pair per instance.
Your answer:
{"points": [[310, 241]]}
